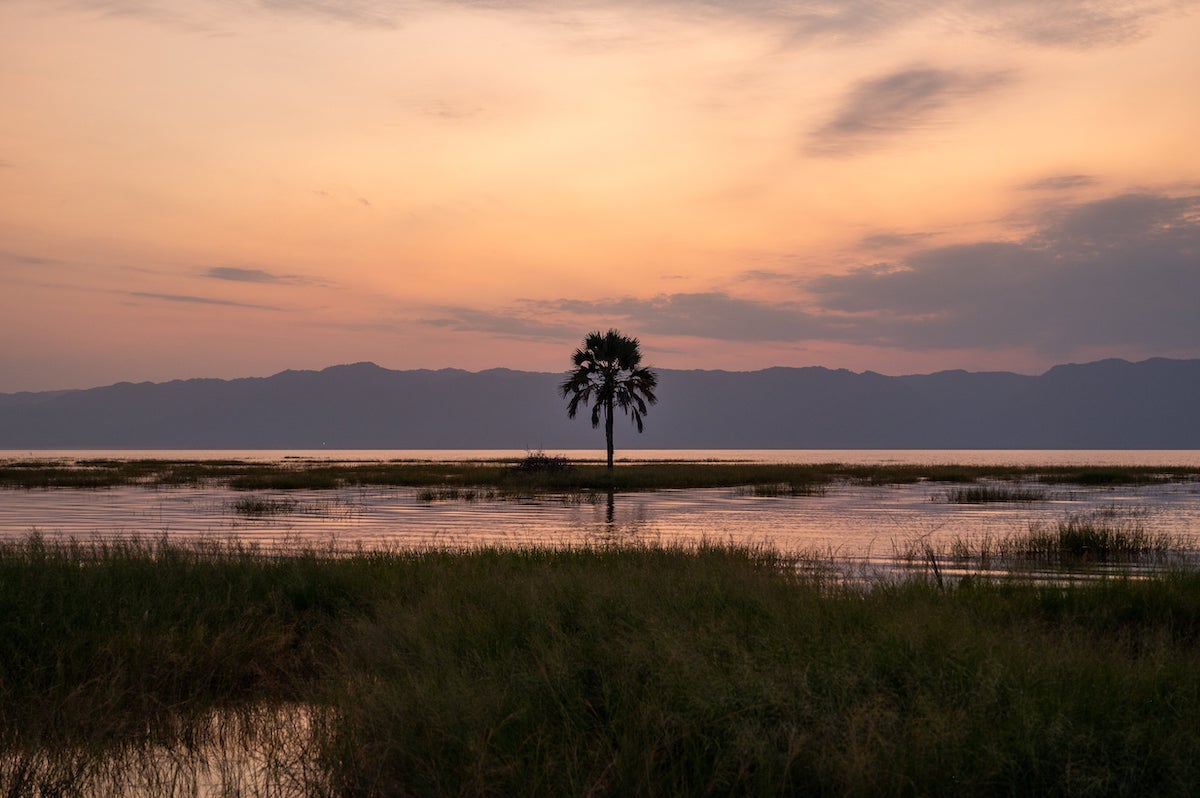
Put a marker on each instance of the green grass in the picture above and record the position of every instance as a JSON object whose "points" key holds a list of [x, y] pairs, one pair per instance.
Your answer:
{"points": [[625, 670]]}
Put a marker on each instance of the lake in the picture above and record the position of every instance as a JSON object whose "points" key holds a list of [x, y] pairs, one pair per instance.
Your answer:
{"points": [[850, 522]]}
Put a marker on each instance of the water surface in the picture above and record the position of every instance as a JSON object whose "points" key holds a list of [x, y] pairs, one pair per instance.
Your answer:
{"points": [[849, 521]]}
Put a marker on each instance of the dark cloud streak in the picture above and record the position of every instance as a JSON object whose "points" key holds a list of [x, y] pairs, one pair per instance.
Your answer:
{"points": [[198, 300], [896, 103], [1060, 183]]}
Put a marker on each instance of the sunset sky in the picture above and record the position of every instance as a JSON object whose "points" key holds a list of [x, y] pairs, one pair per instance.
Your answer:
{"points": [[225, 188]]}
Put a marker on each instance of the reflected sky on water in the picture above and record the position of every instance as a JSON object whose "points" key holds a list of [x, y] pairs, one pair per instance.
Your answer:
{"points": [[849, 521]]}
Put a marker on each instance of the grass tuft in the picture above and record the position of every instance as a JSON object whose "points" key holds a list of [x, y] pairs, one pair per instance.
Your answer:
{"points": [[261, 506], [986, 494]]}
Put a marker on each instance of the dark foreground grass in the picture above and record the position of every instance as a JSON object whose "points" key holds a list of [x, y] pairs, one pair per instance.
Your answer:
{"points": [[603, 671]]}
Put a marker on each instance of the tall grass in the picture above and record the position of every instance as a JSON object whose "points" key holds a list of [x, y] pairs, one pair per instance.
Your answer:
{"points": [[1081, 540], [988, 494], [622, 670]]}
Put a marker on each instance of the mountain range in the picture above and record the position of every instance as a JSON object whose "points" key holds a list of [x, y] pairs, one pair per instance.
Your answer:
{"points": [[1108, 404]]}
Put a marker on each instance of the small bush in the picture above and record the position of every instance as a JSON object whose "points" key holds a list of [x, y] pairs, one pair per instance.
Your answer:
{"points": [[542, 463]]}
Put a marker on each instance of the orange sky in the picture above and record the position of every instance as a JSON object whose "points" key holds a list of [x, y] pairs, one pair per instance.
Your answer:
{"points": [[235, 187]]}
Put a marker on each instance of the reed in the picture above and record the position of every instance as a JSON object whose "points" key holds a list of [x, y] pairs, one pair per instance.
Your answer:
{"points": [[1107, 538], [988, 494], [255, 506]]}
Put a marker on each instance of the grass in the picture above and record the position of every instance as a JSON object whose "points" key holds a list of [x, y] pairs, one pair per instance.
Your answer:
{"points": [[256, 506], [624, 670], [442, 494], [987, 494], [542, 473], [1070, 545], [1095, 539]]}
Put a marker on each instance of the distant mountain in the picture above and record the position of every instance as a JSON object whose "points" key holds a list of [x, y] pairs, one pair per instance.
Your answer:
{"points": [[1110, 404]]}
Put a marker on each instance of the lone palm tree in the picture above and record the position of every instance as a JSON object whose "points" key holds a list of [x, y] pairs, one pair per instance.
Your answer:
{"points": [[608, 373]]}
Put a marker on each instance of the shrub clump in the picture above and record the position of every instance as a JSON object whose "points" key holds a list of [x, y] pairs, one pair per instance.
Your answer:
{"points": [[542, 463]]}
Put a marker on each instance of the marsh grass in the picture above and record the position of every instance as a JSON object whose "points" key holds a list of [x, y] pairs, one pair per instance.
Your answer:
{"points": [[442, 494], [1103, 539], [540, 472], [603, 670], [256, 506], [777, 489], [987, 494], [1096, 538]]}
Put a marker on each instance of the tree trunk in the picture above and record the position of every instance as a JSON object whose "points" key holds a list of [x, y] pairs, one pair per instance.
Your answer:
{"points": [[608, 431]]}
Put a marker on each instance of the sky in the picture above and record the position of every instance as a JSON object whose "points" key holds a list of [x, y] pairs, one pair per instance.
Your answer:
{"points": [[229, 188]]}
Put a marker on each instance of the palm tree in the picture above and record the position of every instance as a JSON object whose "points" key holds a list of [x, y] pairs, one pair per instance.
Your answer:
{"points": [[608, 373]]}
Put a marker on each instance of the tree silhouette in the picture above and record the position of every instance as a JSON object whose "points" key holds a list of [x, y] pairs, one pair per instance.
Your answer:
{"points": [[608, 374]]}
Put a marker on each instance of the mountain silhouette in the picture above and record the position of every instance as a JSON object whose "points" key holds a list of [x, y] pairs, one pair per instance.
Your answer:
{"points": [[1109, 404]]}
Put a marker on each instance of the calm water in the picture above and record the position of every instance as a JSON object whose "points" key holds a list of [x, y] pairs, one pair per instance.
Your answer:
{"points": [[851, 522]]}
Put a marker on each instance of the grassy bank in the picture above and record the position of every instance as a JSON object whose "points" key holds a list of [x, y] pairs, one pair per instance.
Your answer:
{"points": [[608, 671], [540, 473]]}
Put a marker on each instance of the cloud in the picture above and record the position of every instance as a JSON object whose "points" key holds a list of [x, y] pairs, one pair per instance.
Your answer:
{"points": [[708, 315], [891, 240], [896, 103], [1121, 273], [189, 18], [1060, 183], [1070, 23], [197, 300], [512, 324], [767, 276], [1117, 272], [714, 315], [1046, 23], [23, 259], [239, 275], [365, 13]]}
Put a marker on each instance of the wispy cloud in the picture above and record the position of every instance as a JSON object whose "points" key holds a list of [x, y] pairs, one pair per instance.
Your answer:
{"points": [[892, 240], [25, 259], [1070, 23], [509, 324], [239, 275], [713, 315], [1047, 23], [198, 300], [366, 13], [1060, 183], [901, 101], [199, 18]]}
